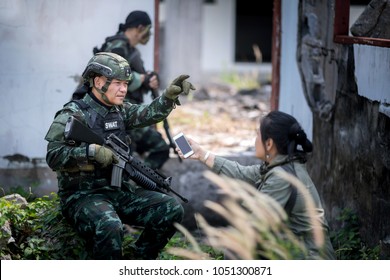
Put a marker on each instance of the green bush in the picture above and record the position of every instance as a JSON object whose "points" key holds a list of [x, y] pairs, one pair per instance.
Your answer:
{"points": [[347, 242], [40, 231]]}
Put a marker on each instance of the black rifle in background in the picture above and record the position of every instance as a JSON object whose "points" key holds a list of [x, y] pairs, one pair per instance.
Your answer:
{"points": [[136, 169], [172, 144]]}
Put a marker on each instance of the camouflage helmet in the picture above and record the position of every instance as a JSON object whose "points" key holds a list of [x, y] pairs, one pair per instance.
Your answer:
{"points": [[107, 64]]}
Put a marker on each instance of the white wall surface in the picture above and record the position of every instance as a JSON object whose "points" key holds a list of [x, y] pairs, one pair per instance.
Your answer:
{"points": [[292, 99], [218, 35], [218, 40], [44, 46], [372, 71], [372, 68]]}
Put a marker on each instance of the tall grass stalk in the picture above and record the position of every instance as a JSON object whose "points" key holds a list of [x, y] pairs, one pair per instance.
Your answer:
{"points": [[257, 224]]}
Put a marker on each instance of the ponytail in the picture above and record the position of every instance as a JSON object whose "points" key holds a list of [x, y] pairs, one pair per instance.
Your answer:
{"points": [[297, 137], [286, 133]]}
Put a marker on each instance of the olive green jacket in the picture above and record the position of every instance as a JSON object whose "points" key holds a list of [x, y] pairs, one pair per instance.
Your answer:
{"points": [[120, 45], [280, 190]]}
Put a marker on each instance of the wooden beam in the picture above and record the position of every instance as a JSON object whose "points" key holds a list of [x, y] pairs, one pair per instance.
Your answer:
{"points": [[342, 39], [341, 28], [276, 47], [156, 35], [341, 18]]}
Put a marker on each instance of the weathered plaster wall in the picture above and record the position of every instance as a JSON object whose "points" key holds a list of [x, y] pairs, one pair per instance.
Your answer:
{"points": [[354, 157], [351, 160], [44, 47]]}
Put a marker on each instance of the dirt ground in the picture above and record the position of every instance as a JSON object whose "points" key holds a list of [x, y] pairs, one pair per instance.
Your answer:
{"points": [[220, 118]]}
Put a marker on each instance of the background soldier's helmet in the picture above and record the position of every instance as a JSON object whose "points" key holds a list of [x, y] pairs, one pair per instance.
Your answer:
{"points": [[107, 64]]}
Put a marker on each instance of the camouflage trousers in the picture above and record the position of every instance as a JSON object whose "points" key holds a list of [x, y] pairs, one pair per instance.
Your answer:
{"points": [[149, 140], [99, 218]]}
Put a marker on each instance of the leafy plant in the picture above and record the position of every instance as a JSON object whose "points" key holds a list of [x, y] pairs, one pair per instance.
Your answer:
{"points": [[347, 242], [23, 191], [39, 231]]}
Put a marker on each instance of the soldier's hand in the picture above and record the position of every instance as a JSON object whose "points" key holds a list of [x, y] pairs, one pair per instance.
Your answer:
{"points": [[102, 155], [151, 80], [178, 86]]}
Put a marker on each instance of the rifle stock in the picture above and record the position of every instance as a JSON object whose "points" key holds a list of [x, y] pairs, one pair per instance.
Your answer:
{"points": [[136, 169]]}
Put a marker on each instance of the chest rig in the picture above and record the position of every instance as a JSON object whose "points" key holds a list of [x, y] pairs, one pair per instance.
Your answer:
{"points": [[103, 122]]}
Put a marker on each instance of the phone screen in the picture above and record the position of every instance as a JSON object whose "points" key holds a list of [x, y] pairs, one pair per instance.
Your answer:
{"points": [[183, 145]]}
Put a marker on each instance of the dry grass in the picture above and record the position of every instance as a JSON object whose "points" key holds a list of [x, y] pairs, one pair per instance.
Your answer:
{"points": [[257, 224]]}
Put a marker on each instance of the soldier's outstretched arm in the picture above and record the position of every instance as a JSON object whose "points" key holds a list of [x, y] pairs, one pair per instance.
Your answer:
{"points": [[141, 115], [178, 86]]}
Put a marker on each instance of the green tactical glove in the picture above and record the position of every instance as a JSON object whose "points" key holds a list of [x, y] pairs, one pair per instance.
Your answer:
{"points": [[102, 155], [177, 87]]}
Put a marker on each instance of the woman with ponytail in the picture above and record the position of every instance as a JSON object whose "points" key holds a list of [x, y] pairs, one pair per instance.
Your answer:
{"points": [[282, 145]]}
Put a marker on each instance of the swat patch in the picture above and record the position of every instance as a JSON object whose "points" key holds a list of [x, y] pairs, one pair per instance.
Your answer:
{"points": [[111, 125]]}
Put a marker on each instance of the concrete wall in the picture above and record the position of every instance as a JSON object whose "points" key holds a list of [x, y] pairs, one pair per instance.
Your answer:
{"points": [[207, 39], [372, 71], [350, 163], [45, 45], [218, 29], [44, 48], [292, 99], [372, 68]]}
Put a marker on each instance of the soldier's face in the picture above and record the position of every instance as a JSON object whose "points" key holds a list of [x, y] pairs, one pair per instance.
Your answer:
{"points": [[145, 34], [116, 92]]}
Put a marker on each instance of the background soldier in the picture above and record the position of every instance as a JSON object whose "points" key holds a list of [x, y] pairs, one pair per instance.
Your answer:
{"points": [[96, 209], [147, 142]]}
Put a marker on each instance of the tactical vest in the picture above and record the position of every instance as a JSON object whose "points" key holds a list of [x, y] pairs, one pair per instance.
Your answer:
{"points": [[112, 122]]}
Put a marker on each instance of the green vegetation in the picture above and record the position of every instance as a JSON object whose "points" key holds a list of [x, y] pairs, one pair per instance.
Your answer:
{"points": [[241, 81], [27, 193], [347, 241], [40, 232]]}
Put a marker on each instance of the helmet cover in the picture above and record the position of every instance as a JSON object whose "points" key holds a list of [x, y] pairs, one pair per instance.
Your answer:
{"points": [[107, 64]]}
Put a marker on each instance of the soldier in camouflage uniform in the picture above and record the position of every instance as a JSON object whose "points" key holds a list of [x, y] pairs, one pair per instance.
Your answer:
{"points": [[96, 209], [146, 141]]}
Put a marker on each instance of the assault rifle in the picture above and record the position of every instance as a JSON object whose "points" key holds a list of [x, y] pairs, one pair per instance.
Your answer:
{"points": [[167, 130], [136, 169]]}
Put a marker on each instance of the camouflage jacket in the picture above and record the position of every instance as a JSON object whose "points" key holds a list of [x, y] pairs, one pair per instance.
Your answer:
{"points": [[76, 174]]}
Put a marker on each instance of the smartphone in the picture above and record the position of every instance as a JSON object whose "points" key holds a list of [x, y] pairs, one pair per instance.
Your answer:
{"points": [[183, 144]]}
